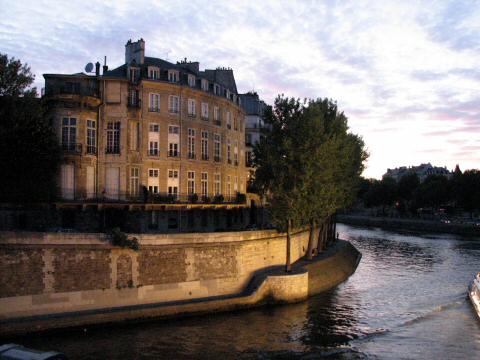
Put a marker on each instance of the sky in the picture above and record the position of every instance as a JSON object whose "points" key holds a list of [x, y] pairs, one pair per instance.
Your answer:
{"points": [[405, 73]]}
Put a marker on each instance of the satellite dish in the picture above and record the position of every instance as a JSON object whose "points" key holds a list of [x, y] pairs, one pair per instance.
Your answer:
{"points": [[89, 67]]}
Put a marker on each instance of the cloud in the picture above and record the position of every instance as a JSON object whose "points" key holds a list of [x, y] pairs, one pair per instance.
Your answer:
{"points": [[405, 74]]}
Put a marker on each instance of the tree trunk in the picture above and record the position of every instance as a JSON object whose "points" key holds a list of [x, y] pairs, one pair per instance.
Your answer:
{"points": [[310, 240], [288, 265], [335, 227], [320, 238]]}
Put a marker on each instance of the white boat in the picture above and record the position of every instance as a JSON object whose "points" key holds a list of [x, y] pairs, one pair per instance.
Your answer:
{"points": [[474, 293]]}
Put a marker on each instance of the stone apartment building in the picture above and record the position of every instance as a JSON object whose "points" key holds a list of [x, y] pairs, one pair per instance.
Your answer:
{"points": [[159, 145]]}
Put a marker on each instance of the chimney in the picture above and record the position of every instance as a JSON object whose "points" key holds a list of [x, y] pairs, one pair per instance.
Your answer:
{"points": [[135, 51], [97, 68]]}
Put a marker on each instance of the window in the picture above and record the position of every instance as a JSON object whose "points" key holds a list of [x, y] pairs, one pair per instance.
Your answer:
{"points": [[229, 120], [227, 94], [191, 107], [216, 184], [235, 153], [113, 138], [153, 181], [229, 152], [134, 135], [173, 76], [134, 75], [235, 123], [172, 183], [229, 186], [235, 184], [133, 100], [216, 89], [173, 174], [216, 115], [154, 102], [134, 181], [173, 104], [204, 85], [173, 129], [91, 137], [204, 184], [216, 147], [191, 182], [153, 73], [69, 134], [191, 143], [191, 80], [205, 111], [248, 139], [173, 139], [204, 145], [153, 139], [248, 158]]}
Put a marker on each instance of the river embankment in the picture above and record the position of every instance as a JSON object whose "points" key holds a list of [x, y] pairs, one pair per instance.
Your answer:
{"points": [[410, 224], [51, 281]]}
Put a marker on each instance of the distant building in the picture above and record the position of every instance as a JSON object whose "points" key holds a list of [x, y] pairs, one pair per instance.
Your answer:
{"points": [[254, 108], [422, 171]]}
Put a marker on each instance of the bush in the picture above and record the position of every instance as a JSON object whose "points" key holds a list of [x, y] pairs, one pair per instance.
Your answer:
{"points": [[241, 198], [205, 199], [119, 238], [218, 199], [193, 198]]}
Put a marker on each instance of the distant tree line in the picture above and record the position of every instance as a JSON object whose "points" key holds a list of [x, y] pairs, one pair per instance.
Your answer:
{"points": [[460, 192]]}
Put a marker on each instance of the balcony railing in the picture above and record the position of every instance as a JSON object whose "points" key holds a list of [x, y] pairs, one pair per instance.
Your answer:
{"points": [[72, 148], [154, 109], [204, 118], [218, 123], [112, 150], [67, 90], [191, 155], [152, 152], [146, 197], [92, 150], [172, 153], [216, 158], [235, 162], [134, 103], [204, 156], [229, 161]]}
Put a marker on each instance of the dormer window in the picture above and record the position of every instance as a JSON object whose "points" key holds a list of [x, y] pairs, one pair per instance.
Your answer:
{"points": [[191, 80], [204, 85], [227, 93], [173, 76], [216, 89], [153, 73], [134, 74]]}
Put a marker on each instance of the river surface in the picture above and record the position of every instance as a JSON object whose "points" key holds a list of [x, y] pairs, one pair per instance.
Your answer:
{"points": [[407, 300]]}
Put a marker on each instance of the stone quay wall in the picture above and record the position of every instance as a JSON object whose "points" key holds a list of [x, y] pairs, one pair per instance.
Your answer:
{"points": [[46, 273], [50, 281]]}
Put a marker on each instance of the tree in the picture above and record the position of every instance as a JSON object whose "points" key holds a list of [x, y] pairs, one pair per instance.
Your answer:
{"points": [[433, 191], [381, 193], [279, 174], [468, 194], [15, 78], [29, 150], [307, 163]]}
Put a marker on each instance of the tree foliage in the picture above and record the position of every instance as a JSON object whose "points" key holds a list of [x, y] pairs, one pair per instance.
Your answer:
{"points": [[29, 151], [307, 163]]}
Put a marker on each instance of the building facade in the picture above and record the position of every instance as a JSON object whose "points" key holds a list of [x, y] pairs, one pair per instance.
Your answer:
{"points": [[149, 132], [254, 109]]}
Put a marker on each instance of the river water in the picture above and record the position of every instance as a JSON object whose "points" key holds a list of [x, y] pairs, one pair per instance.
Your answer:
{"points": [[407, 300]]}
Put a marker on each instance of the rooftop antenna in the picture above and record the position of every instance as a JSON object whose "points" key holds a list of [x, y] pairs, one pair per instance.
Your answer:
{"points": [[89, 68]]}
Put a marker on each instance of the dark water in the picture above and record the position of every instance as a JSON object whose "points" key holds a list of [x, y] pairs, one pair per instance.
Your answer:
{"points": [[407, 300]]}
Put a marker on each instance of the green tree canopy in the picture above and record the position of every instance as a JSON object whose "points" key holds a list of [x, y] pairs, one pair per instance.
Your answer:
{"points": [[29, 151]]}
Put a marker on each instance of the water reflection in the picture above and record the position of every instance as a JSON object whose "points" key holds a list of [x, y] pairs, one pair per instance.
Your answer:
{"points": [[408, 293]]}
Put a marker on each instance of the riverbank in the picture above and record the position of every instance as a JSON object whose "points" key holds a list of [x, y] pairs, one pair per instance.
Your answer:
{"points": [[418, 225], [63, 281]]}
